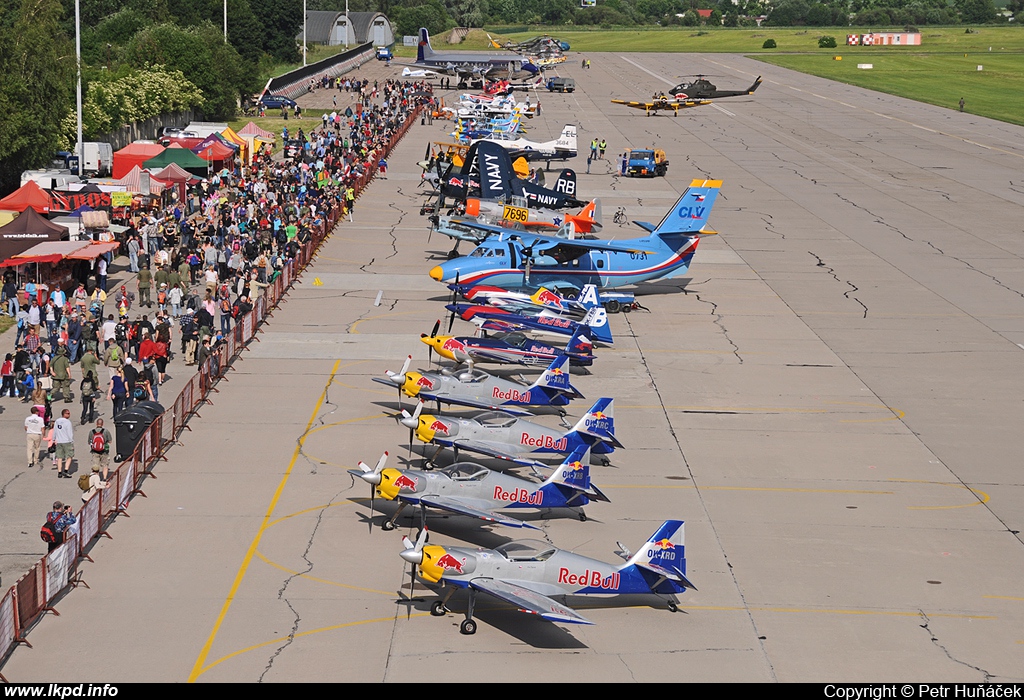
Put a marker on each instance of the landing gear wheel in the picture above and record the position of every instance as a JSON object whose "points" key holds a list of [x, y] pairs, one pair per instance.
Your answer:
{"points": [[612, 306], [583, 517], [437, 608], [468, 627], [626, 308], [605, 462], [452, 254], [387, 526], [673, 607]]}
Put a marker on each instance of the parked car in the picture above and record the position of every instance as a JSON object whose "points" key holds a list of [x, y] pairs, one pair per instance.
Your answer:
{"points": [[276, 101], [561, 85], [384, 53], [293, 148]]}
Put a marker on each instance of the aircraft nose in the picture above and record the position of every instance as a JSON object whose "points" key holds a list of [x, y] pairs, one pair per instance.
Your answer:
{"points": [[413, 556], [436, 273], [410, 422]]}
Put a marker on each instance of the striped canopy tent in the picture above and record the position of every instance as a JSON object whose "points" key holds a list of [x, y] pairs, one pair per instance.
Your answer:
{"points": [[175, 175], [46, 252], [28, 196], [253, 129], [137, 180]]}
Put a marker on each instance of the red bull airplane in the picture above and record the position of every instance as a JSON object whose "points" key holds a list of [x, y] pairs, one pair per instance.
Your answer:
{"points": [[505, 436], [530, 574], [511, 348], [474, 490], [479, 389]]}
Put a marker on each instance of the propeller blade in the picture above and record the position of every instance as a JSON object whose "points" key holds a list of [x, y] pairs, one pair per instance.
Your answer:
{"points": [[372, 490], [437, 325]]}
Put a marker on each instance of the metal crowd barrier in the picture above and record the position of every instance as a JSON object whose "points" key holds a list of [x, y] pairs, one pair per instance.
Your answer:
{"points": [[24, 603]]}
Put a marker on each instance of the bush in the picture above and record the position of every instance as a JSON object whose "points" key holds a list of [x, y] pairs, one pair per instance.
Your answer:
{"points": [[769, 44], [827, 42]]}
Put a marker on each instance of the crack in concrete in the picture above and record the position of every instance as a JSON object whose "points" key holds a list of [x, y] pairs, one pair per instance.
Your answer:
{"points": [[987, 677], [718, 322], [309, 544], [853, 288], [700, 494], [878, 219], [394, 238], [3, 489]]}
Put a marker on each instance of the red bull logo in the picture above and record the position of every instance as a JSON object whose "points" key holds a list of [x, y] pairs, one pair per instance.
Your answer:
{"points": [[556, 372], [456, 182], [546, 298], [545, 442], [598, 415], [424, 382], [449, 563], [518, 496], [663, 543], [574, 466], [554, 322], [663, 549], [511, 395], [591, 579], [405, 482], [439, 427], [453, 345]]}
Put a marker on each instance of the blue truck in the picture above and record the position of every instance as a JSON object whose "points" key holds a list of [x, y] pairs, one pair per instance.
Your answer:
{"points": [[647, 162]]}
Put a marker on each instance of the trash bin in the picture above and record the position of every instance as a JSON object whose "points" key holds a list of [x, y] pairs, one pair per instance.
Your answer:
{"points": [[130, 425], [151, 406]]}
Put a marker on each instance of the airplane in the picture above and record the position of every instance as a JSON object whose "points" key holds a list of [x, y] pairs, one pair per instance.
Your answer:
{"points": [[512, 438], [545, 323], [530, 574], [526, 259], [419, 73], [588, 220], [561, 148], [661, 102], [702, 89], [478, 389], [467, 64], [575, 307], [472, 489], [510, 348]]}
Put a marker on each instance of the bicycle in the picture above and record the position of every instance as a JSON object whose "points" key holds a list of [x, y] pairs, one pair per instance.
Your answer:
{"points": [[620, 216]]}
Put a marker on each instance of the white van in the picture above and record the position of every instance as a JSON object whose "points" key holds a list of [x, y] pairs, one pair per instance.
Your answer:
{"points": [[98, 158], [50, 179]]}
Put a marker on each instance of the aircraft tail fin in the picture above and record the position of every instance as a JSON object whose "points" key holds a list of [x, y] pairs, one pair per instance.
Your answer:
{"points": [[424, 50], [691, 211], [757, 84], [574, 474], [599, 422], [556, 376], [580, 342], [566, 183], [589, 218], [493, 42], [567, 139], [664, 555]]}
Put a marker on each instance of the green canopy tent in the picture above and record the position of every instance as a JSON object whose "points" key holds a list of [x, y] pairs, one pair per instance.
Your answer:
{"points": [[180, 156]]}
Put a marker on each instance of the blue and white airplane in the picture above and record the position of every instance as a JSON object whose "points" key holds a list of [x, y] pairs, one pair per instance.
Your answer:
{"points": [[520, 260], [531, 575], [466, 64]]}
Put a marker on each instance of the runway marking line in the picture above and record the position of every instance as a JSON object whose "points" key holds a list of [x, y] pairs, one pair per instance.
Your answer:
{"points": [[980, 495], [198, 669]]}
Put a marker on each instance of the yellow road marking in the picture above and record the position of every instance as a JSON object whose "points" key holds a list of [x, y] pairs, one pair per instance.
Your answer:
{"points": [[198, 669], [981, 495]]}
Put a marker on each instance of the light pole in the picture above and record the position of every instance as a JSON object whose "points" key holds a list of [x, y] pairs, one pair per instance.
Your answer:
{"points": [[78, 64], [225, 21], [303, 32], [348, 25]]}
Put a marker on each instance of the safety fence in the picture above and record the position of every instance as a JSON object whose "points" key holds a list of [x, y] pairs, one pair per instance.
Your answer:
{"points": [[56, 573]]}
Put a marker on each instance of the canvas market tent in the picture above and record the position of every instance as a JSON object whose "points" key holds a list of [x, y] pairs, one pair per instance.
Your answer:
{"points": [[134, 154], [179, 156], [28, 196], [26, 231]]}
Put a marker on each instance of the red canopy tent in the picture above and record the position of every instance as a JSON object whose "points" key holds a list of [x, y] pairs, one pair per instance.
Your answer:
{"points": [[29, 195], [134, 154]]}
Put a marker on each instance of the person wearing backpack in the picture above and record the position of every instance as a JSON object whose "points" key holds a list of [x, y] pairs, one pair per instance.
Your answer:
{"points": [[99, 447], [57, 522], [113, 358], [91, 483], [88, 387]]}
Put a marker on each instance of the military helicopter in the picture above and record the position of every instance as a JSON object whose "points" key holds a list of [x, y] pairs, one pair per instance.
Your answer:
{"points": [[703, 89]]}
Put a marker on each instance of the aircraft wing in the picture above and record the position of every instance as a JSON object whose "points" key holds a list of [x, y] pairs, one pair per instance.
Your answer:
{"points": [[474, 509], [635, 105], [496, 450], [567, 251], [472, 403], [529, 601]]}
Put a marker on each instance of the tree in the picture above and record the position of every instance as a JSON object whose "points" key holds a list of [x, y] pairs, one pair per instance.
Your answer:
{"points": [[975, 11], [37, 79], [466, 13], [789, 13]]}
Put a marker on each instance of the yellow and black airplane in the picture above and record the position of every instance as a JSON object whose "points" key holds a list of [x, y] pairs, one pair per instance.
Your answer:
{"points": [[660, 102]]}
